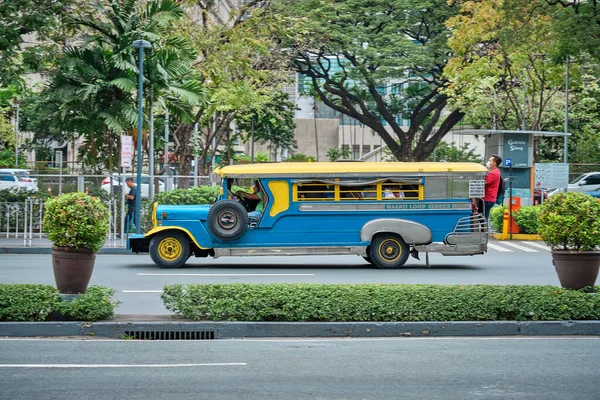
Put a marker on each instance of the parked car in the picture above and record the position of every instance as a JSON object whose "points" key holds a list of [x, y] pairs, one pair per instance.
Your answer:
{"points": [[15, 179], [587, 182], [595, 193], [116, 185], [537, 195]]}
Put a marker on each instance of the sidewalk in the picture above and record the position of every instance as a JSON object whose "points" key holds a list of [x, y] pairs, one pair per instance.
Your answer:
{"points": [[12, 245]]}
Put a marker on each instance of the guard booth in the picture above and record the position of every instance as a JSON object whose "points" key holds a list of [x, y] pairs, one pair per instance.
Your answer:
{"points": [[516, 149]]}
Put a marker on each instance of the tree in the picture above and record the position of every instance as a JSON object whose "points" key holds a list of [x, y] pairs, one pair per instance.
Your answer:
{"points": [[505, 71], [378, 61], [40, 18], [93, 92], [240, 64], [273, 124]]}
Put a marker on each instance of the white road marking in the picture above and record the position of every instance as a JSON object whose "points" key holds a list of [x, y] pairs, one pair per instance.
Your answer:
{"points": [[120, 365], [498, 248], [141, 291], [538, 245], [525, 249], [142, 274]]}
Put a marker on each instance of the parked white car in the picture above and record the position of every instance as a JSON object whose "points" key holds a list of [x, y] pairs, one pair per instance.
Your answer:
{"points": [[588, 182], [116, 186], [16, 179]]}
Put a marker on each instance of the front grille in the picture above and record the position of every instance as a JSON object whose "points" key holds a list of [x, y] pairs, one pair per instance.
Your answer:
{"points": [[170, 335]]}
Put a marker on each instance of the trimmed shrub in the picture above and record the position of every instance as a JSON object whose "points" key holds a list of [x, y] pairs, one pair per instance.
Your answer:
{"points": [[497, 217], [26, 302], [527, 218], [378, 302], [571, 221]]}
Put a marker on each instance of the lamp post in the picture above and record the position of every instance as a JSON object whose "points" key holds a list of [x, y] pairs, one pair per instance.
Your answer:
{"points": [[17, 142], [140, 45]]}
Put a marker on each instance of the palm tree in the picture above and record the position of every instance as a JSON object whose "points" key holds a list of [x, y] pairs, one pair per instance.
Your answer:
{"points": [[93, 92]]}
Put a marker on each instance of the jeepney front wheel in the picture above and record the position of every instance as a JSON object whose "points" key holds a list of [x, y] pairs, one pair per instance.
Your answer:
{"points": [[388, 251], [170, 249]]}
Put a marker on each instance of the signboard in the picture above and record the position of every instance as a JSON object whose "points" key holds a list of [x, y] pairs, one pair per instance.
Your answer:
{"points": [[126, 151], [516, 148], [551, 175], [476, 188]]}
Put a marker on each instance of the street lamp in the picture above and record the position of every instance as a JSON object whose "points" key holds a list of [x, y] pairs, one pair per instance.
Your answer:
{"points": [[17, 141], [140, 45]]}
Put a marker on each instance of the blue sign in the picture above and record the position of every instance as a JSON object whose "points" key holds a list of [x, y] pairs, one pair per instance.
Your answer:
{"points": [[507, 162]]}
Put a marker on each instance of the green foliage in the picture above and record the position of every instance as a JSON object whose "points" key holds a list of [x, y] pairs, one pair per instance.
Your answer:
{"points": [[299, 157], [335, 154], [570, 221], [27, 302], [205, 194], [95, 304], [407, 45], [378, 302], [527, 218], [272, 123], [76, 220], [451, 152], [261, 157], [496, 218]]}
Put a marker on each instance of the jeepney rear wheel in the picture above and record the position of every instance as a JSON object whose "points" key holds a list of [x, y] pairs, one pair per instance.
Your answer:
{"points": [[227, 219], [388, 250], [170, 249]]}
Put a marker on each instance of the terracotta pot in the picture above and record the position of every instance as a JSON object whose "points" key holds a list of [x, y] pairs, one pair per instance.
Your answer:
{"points": [[576, 269], [72, 269]]}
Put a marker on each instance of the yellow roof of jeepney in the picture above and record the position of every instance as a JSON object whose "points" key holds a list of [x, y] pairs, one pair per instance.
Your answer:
{"points": [[292, 169]]}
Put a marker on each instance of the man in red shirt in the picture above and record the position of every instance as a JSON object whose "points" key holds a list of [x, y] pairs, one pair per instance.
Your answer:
{"points": [[492, 181]]}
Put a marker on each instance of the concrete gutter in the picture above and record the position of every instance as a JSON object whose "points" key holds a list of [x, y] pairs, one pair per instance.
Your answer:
{"points": [[171, 329]]}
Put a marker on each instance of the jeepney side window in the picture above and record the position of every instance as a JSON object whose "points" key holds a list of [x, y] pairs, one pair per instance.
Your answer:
{"points": [[314, 191], [437, 187], [460, 187]]}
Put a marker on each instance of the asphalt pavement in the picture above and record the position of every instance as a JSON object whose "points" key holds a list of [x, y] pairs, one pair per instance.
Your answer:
{"points": [[167, 326]]}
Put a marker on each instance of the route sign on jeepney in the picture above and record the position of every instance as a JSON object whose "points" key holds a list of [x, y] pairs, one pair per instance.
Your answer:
{"points": [[476, 188]]}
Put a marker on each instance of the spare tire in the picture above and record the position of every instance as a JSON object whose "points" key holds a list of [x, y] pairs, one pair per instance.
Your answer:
{"points": [[227, 220]]}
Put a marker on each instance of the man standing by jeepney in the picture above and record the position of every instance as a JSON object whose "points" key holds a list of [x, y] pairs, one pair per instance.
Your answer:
{"points": [[492, 181]]}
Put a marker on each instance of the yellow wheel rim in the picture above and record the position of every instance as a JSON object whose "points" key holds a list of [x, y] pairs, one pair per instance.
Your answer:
{"points": [[169, 249], [390, 250]]}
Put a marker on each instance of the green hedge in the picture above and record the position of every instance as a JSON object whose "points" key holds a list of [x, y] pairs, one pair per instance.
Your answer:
{"points": [[373, 302], [28, 302]]}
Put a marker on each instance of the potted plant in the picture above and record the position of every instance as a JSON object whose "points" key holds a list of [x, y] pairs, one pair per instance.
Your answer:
{"points": [[570, 224], [77, 225]]}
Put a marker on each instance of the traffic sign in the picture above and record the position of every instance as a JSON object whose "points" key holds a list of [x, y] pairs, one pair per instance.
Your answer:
{"points": [[507, 162], [126, 151]]}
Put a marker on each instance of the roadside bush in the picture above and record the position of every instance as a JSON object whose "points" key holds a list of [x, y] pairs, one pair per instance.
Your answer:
{"points": [[527, 218], [27, 302], [205, 194], [497, 217], [378, 302]]}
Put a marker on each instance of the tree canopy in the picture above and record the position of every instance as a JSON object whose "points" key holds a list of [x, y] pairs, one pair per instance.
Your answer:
{"points": [[380, 62]]}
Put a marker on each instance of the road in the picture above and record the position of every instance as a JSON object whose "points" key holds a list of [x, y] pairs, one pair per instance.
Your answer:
{"points": [[409, 368], [138, 281]]}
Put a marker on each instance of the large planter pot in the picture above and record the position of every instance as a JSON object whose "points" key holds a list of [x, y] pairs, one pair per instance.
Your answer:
{"points": [[72, 269], [576, 269]]}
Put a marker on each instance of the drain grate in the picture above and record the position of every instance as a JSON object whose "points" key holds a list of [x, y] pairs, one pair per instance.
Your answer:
{"points": [[170, 335]]}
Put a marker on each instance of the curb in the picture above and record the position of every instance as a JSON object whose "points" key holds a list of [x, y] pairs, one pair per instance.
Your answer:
{"points": [[48, 250], [238, 330], [516, 236]]}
